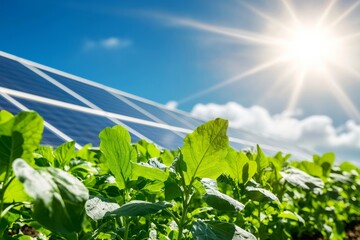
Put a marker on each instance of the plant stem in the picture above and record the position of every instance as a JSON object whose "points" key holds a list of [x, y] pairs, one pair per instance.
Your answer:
{"points": [[183, 219], [127, 226], [259, 217], [5, 184]]}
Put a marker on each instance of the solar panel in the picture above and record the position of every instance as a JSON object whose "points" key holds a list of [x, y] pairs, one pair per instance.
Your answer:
{"points": [[83, 127], [99, 97], [76, 108], [48, 138], [162, 114], [16, 76]]}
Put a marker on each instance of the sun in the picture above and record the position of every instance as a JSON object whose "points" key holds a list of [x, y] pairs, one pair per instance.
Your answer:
{"points": [[311, 47], [297, 48]]}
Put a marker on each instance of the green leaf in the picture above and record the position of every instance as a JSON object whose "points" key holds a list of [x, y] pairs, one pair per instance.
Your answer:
{"points": [[96, 208], [64, 153], [215, 230], [58, 197], [299, 178], [167, 157], [172, 188], [348, 167], [204, 151], [261, 195], [240, 168], [147, 171], [30, 125], [325, 161], [139, 208], [310, 168], [116, 148], [22, 137], [47, 153], [218, 200], [292, 216], [261, 159], [15, 192], [6, 122]]}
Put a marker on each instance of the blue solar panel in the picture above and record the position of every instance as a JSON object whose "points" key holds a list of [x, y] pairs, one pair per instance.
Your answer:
{"points": [[162, 114], [82, 127], [99, 97], [15, 76], [48, 138], [163, 137], [85, 127]]}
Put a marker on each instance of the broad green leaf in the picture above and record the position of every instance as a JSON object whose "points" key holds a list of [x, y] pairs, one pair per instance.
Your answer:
{"points": [[292, 216], [64, 153], [216, 230], [88, 153], [222, 201], [45, 154], [261, 195], [299, 178], [240, 168], [348, 167], [310, 168], [153, 151], [30, 125], [261, 159], [325, 161], [167, 157], [139, 208], [96, 208], [6, 123], [147, 171], [58, 197], [22, 137], [116, 148], [218, 200], [172, 188], [204, 151], [15, 192]]}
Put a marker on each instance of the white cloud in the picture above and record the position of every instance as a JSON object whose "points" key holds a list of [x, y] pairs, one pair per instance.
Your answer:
{"points": [[107, 43], [316, 132], [171, 105]]}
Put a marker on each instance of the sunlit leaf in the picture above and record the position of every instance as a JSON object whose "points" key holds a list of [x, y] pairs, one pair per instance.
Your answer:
{"points": [[116, 148], [58, 197], [139, 208], [204, 151], [215, 230]]}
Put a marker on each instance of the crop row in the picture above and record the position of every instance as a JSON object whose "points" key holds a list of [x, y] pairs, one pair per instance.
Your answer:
{"points": [[203, 190]]}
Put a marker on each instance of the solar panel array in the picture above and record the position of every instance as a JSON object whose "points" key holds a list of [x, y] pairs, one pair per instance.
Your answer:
{"points": [[77, 109]]}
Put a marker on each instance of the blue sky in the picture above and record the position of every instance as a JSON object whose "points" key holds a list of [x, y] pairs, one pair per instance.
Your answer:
{"points": [[164, 51]]}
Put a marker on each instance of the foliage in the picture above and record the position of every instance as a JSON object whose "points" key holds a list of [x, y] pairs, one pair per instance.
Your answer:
{"points": [[204, 190]]}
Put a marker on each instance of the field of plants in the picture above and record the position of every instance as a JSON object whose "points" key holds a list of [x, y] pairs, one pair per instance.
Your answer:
{"points": [[203, 190]]}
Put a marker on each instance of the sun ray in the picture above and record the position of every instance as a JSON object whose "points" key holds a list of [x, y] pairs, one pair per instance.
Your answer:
{"points": [[278, 84], [349, 37], [347, 68], [266, 17], [230, 32], [295, 95], [344, 15], [345, 102], [291, 12], [238, 77], [326, 13]]}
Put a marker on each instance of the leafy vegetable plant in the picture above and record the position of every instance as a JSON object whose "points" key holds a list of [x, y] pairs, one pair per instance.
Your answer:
{"points": [[203, 190]]}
